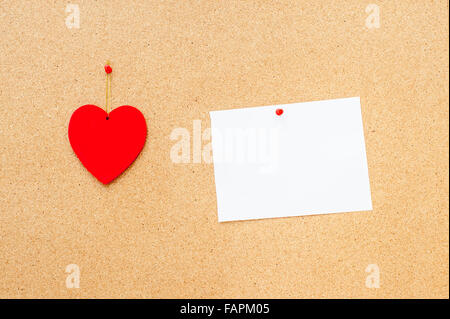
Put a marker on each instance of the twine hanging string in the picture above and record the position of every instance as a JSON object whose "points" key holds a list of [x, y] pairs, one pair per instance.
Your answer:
{"points": [[108, 71]]}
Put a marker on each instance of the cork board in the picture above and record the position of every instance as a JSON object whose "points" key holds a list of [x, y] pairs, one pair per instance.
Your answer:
{"points": [[153, 232]]}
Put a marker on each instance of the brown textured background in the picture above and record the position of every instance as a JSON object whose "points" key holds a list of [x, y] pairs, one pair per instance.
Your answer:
{"points": [[154, 231]]}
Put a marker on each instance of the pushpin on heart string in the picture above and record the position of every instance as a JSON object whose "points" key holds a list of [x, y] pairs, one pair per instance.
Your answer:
{"points": [[279, 112], [108, 71]]}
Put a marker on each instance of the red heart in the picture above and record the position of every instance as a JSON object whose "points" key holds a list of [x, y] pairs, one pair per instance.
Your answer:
{"points": [[107, 145]]}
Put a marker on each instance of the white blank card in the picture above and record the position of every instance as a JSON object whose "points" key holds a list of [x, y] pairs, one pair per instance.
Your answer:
{"points": [[310, 160]]}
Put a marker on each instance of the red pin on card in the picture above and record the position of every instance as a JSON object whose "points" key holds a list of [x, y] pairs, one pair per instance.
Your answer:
{"points": [[107, 142]]}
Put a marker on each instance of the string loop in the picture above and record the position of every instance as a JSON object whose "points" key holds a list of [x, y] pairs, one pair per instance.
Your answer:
{"points": [[108, 71]]}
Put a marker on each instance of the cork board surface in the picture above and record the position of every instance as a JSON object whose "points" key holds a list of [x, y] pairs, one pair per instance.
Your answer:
{"points": [[153, 232]]}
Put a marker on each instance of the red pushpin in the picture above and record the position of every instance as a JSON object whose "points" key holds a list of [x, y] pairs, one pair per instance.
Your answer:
{"points": [[108, 69], [279, 112]]}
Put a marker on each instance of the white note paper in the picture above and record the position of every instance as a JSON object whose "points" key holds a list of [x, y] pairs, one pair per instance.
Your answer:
{"points": [[310, 160]]}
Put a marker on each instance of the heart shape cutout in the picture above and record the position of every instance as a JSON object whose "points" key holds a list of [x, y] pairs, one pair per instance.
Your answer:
{"points": [[107, 144]]}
